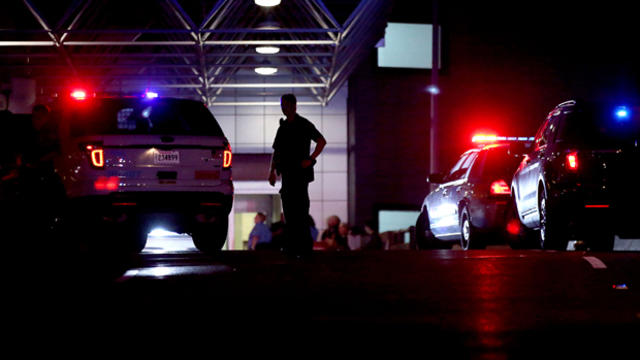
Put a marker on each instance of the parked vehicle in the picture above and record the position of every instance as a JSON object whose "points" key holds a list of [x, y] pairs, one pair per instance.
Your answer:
{"points": [[129, 164], [578, 181], [470, 204]]}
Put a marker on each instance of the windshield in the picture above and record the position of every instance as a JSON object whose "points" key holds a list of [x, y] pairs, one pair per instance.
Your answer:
{"points": [[142, 117], [601, 127]]}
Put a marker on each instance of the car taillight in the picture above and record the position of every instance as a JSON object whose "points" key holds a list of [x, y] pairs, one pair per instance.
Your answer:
{"points": [[226, 160], [500, 187], [96, 155], [571, 161]]}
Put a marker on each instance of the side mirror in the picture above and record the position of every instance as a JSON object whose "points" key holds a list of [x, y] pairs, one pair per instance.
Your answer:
{"points": [[435, 178]]}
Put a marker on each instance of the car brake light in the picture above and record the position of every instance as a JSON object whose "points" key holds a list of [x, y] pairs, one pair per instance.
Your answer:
{"points": [[500, 187], [572, 161], [226, 161], [110, 183]]}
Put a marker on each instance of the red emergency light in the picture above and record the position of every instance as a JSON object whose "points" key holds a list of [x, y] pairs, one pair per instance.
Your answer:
{"points": [[79, 94], [492, 138]]}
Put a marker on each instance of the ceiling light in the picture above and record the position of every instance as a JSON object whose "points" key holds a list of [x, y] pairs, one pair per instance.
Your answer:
{"points": [[269, 50], [266, 70], [267, 3]]}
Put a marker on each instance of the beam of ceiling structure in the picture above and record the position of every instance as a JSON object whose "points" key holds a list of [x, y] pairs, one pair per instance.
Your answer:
{"points": [[202, 49]]}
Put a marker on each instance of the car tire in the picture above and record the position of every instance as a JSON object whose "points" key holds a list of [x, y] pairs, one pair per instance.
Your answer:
{"points": [[469, 236], [550, 235], [135, 240], [424, 237], [210, 238]]}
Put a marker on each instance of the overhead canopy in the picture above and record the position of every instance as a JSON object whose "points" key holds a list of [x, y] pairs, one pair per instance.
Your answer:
{"points": [[200, 49]]}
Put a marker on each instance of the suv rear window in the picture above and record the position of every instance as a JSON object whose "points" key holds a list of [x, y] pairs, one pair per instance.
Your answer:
{"points": [[599, 128], [499, 163], [141, 117]]}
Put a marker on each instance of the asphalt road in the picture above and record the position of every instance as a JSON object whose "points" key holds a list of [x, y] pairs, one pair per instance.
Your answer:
{"points": [[495, 303]]}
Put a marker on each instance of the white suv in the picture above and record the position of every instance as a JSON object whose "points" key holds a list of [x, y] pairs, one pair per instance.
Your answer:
{"points": [[130, 164]]}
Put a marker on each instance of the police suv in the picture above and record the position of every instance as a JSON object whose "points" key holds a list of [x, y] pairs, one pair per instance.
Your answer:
{"points": [[129, 164], [578, 181]]}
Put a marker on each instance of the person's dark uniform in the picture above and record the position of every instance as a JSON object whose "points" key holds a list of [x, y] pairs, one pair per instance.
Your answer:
{"points": [[291, 147]]}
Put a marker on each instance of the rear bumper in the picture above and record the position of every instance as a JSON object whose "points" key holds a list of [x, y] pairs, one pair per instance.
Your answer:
{"points": [[176, 211], [584, 210], [183, 202], [488, 215]]}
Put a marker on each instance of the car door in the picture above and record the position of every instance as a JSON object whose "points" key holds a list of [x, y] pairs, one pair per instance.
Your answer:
{"points": [[458, 190], [437, 204], [531, 170], [445, 221]]}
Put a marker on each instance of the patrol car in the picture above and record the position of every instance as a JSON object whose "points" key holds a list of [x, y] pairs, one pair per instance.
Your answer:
{"points": [[470, 204], [578, 181], [129, 164]]}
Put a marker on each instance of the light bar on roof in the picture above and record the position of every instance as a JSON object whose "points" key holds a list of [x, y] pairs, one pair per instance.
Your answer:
{"points": [[150, 94], [483, 138]]}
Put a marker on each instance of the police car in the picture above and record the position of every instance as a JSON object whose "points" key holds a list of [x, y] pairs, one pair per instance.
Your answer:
{"points": [[129, 164], [578, 180], [470, 204]]}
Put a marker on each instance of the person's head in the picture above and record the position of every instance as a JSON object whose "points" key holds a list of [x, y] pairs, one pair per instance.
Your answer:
{"points": [[260, 218], [333, 221], [39, 116], [288, 104]]}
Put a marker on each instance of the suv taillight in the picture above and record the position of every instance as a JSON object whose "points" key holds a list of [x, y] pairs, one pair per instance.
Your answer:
{"points": [[500, 187], [571, 161], [96, 155], [226, 159]]}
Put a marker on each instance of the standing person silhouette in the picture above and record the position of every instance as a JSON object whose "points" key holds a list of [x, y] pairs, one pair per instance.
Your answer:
{"points": [[292, 161]]}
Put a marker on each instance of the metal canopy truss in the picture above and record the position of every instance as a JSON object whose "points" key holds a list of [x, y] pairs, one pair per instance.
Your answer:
{"points": [[201, 49]]}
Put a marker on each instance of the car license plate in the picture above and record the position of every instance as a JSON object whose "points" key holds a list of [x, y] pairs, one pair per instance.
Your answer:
{"points": [[166, 157]]}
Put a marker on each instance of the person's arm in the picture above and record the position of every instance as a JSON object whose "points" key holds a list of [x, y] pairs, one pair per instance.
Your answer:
{"points": [[272, 170], [320, 144], [253, 241]]}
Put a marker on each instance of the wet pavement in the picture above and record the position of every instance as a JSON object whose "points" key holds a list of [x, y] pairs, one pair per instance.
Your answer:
{"points": [[492, 303]]}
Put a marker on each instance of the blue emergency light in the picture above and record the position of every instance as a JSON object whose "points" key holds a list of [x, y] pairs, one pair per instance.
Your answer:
{"points": [[622, 113], [150, 95]]}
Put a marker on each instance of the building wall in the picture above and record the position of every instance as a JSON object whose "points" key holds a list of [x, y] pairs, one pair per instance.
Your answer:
{"points": [[389, 133], [252, 129]]}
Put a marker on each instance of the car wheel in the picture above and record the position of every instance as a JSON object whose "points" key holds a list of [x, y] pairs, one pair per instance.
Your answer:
{"points": [[210, 238], [469, 238], [551, 238], [136, 240], [424, 237]]}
